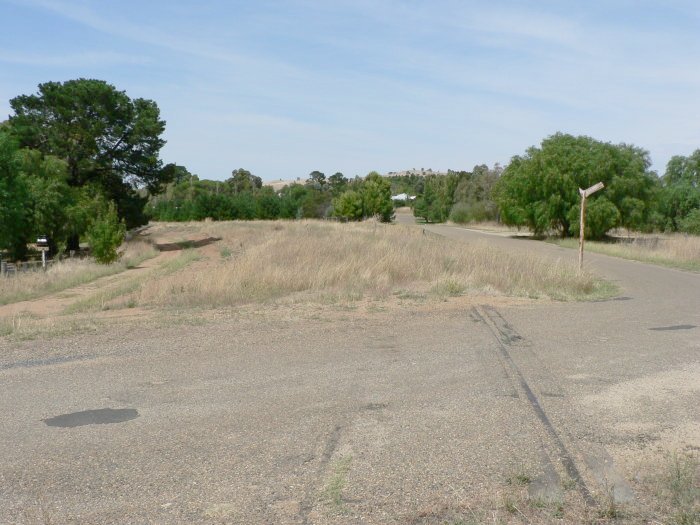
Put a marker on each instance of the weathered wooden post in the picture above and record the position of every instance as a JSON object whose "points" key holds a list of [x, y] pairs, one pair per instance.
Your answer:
{"points": [[582, 226]]}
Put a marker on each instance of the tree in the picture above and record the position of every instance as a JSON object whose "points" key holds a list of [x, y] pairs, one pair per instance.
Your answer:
{"points": [[15, 216], [106, 139], [337, 183], [680, 195], [376, 197], [348, 206], [436, 200], [105, 235], [268, 204], [242, 180], [316, 180], [50, 199], [540, 189]]}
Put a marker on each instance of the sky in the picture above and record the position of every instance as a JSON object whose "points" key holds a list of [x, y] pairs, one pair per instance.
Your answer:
{"points": [[282, 88]]}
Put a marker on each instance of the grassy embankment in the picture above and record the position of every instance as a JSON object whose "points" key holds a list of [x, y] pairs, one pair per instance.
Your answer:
{"points": [[69, 273], [674, 251], [329, 262], [302, 262]]}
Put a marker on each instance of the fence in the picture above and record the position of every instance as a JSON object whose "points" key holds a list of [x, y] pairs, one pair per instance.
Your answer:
{"points": [[8, 269]]}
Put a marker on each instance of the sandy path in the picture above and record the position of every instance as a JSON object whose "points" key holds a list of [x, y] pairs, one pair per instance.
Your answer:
{"points": [[56, 303]]}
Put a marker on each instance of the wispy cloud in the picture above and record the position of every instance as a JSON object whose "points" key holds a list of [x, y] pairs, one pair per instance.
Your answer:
{"points": [[151, 35], [448, 83], [83, 59]]}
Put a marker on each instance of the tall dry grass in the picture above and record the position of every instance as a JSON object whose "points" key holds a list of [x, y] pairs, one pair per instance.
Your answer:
{"points": [[676, 250], [68, 273], [316, 260]]}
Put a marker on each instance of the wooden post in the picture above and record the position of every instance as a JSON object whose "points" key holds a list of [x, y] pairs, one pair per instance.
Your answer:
{"points": [[581, 234], [582, 230]]}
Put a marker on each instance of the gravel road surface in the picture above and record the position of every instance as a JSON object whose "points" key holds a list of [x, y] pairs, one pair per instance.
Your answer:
{"points": [[398, 417]]}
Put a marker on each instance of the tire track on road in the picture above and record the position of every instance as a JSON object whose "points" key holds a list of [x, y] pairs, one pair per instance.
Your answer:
{"points": [[593, 458], [504, 336]]}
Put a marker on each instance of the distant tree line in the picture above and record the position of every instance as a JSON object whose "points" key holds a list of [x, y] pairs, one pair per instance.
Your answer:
{"points": [[80, 160], [244, 197], [539, 190], [460, 196]]}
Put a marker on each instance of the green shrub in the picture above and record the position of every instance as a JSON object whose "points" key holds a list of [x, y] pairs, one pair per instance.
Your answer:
{"points": [[601, 216], [477, 211], [105, 235], [691, 222], [348, 205]]}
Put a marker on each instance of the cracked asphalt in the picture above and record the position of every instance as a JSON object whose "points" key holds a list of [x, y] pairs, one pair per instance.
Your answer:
{"points": [[343, 418]]}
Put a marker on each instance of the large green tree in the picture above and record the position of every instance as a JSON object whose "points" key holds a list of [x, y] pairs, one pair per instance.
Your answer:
{"points": [[679, 199], [539, 190], [242, 180], [106, 139], [15, 215]]}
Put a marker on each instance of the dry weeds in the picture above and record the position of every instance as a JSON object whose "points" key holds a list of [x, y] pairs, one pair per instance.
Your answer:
{"points": [[322, 261], [69, 273], [675, 251]]}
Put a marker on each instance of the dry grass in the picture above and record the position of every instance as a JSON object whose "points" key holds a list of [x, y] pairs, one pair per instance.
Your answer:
{"points": [[24, 326], [675, 251], [324, 261], [105, 298], [490, 226], [69, 273]]}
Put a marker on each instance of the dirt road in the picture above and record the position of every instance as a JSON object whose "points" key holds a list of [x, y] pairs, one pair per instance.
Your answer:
{"points": [[405, 416]]}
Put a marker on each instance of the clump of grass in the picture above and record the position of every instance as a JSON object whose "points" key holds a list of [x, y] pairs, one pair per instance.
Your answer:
{"points": [[333, 493], [520, 478], [24, 326], [314, 258], [69, 273], [682, 489], [675, 251]]}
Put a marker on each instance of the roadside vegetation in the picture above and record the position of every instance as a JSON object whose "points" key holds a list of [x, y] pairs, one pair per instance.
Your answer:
{"points": [[539, 190], [670, 496], [69, 273], [674, 251], [109, 177], [329, 262]]}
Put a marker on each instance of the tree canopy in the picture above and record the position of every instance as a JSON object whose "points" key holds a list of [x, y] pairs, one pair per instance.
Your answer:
{"points": [[679, 202], [106, 139], [539, 190]]}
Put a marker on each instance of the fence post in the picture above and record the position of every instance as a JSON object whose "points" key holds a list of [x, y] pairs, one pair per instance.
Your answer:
{"points": [[3, 267]]}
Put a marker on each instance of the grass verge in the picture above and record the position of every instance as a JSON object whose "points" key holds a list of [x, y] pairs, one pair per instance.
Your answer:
{"points": [[25, 327], [675, 251], [311, 259], [69, 273], [101, 300]]}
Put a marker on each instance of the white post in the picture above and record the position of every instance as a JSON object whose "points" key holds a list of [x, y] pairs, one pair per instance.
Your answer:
{"points": [[43, 259]]}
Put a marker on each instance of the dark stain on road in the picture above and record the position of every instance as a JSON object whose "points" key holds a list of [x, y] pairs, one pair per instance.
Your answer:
{"points": [[30, 363], [674, 327], [102, 416], [375, 406]]}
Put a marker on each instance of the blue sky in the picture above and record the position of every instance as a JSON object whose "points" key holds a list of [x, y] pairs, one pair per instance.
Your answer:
{"points": [[282, 88]]}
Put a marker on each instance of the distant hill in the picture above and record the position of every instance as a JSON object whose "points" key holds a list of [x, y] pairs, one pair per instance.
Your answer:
{"points": [[281, 183], [422, 172]]}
